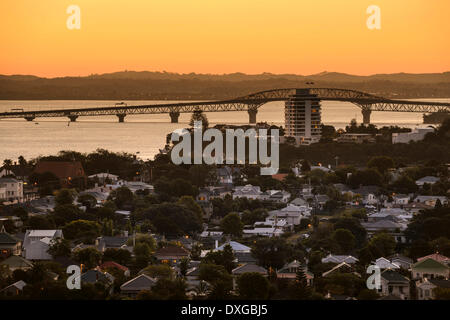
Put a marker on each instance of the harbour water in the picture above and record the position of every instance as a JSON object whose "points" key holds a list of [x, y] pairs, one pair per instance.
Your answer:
{"points": [[146, 134]]}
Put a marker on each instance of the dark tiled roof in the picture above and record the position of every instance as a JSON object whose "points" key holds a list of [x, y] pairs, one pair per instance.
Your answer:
{"points": [[92, 276], [440, 283], [393, 276], [141, 282], [429, 264], [171, 251], [6, 238]]}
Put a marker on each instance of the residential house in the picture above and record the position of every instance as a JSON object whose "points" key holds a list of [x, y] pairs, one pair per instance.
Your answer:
{"points": [[171, 254], [249, 267], [438, 257], [132, 287], [393, 228], [384, 263], [17, 263], [14, 289], [248, 191], [279, 196], [120, 242], [368, 194], [69, 173], [12, 190], [342, 267], [290, 270], [426, 180], [236, 246], [430, 268], [300, 202], [9, 245], [425, 289], [292, 214], [37, 242], [104, 177], [114, 265], [431, 200], [402, 261], [331, 258], [417, 134], [393, 283], [97, 276], [401, 199]]}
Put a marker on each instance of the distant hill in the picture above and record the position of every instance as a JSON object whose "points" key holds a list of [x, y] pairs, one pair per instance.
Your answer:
{"points": [[146, 85]]}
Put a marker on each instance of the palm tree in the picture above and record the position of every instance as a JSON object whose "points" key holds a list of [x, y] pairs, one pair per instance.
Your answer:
{"points": [[7, 164]]}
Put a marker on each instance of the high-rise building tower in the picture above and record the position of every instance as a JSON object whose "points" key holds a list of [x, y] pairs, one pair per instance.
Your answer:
{"points": [[302, 117]]}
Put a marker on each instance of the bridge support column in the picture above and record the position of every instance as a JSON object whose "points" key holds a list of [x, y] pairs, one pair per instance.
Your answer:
{"points": [[30, 118], [174, 115], [121, 117], [366, 115], [252, 115], [73, 118]]}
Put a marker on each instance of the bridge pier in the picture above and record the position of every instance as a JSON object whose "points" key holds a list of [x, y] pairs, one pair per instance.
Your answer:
{"points": [[366, 115], [252, 115], [174, 115], [73, 118], [30, 118], [121, 117]]}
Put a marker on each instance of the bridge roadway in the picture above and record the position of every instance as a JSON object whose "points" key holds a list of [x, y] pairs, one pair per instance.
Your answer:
{"points": [[250, 103]]}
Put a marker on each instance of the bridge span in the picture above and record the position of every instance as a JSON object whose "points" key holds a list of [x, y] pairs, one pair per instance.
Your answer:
{"points": [[250, 103]]}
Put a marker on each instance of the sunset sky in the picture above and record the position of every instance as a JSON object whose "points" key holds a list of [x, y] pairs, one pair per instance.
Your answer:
{"points": [[224, 36]]}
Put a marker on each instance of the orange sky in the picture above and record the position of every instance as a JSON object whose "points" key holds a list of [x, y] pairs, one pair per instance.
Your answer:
{"points": [[224, 36]]}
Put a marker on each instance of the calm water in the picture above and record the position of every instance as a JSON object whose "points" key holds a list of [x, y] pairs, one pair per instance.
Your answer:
{"points": [[145, 134]]}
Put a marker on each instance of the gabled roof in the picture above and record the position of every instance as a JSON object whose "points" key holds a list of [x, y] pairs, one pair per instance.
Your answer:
{"points": [[17, 262], [393, 276], [435, 256], [429, 264], [141, 282], [7, 239], [337, 267], [440, 283], [92, 276], [18, 285], [249, 267], [172, 251], [236, 246], [112, 264]]}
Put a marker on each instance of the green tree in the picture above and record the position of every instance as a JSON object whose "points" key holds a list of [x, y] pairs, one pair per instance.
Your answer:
{"points": [[271, 252], [121, 256], [231, 224], [64, 196], [189, 203], [122, 196], [142, 254], [85, 230], [253, 286], [381, 163], [159, 271], [382, 244], [224, 258], [90, 257], [219, 278], [60, 248], [198, 115], [345, 239]]}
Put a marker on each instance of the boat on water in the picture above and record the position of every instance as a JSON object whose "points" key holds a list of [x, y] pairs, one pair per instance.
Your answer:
{"points": [[435, 117]]}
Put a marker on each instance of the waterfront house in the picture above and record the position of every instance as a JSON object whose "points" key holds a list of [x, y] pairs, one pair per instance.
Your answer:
{"points": [[430, 269], [11, 190]]}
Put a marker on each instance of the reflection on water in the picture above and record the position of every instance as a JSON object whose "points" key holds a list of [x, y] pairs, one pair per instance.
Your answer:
{"points": [[145, 134]]}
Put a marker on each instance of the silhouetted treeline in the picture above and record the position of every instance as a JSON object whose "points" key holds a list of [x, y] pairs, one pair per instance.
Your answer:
{"points": [[170, 86]]}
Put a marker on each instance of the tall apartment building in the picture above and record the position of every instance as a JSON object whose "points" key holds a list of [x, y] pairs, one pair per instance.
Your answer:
{"points": [[303, 117]]}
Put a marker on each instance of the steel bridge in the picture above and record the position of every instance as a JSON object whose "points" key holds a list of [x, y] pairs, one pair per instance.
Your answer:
{"points": [[250, 103]]}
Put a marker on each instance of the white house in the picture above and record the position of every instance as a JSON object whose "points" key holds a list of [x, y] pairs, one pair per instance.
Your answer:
{"points": [[102, 177], [12, 189], [401, 199], [37, 242], [384, 263], [292, 214], [427, 180], [248, 191], [416, 135], [431, 200]]}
